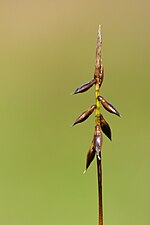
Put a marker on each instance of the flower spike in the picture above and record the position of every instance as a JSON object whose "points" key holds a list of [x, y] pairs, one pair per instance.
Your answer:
{"points": [[101, 126], [100, 74]]}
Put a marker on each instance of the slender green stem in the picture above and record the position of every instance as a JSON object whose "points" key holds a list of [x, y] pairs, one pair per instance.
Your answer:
{"points": [[97, 111]]}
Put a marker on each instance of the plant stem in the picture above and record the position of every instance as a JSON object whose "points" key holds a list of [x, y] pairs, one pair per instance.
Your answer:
{"points": [[101, 124], [97, 93], [98, 75], [99, 173]]}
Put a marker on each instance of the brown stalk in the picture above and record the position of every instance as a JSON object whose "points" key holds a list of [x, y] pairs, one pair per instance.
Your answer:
{"points": [[99, 175]]}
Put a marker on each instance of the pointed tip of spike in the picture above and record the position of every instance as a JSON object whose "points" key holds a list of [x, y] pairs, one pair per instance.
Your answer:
{"points": [[99, 27], [119, 115], [99, 32], [74, 92], [110, 138], [73, 124], [84, 171]]}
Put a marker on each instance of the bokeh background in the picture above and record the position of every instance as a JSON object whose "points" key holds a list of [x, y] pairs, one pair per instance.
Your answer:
{"points": [[47, 50]]}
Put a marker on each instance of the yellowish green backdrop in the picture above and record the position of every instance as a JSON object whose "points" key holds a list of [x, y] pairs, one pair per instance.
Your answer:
{"points": [[47, 50]]}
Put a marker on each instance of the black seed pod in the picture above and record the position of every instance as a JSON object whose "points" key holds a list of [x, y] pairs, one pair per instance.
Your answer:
{"points": [[105, 127], [98, 141], [90, 156], [84, 87], [109, 107], [85, 115]]}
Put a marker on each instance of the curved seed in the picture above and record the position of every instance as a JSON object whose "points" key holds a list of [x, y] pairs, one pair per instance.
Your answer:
{"points": [[85, 115], [84, 87], [109, 107], [98, 141], [90, 156], [105, 127]]}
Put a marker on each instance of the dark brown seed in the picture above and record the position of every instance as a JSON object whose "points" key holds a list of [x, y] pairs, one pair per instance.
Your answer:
{"points": [[85, 115], [98, 141], [90, 156], [105, 127], [109, 107], [84, 87]]}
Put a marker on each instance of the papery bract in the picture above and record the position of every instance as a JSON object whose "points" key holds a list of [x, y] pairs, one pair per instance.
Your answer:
{"points": [[85, 115], [108, 106], [105, 127], [84, 87], [90, 156], [97, 140]]}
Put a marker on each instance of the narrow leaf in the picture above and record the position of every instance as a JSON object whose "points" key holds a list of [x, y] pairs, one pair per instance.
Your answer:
{"points": [[105, 127], [84, 87], [85, 115], [109, 107]]}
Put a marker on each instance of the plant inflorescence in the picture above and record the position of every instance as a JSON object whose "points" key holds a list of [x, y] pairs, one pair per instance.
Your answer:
{"points": [[100, 123]]}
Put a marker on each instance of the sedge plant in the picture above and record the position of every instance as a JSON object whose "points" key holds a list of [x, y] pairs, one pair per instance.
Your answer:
{"points": [[101, 126]]}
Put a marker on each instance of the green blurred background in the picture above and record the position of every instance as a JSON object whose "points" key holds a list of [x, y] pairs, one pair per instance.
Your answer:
{"points": [[47, 50]]}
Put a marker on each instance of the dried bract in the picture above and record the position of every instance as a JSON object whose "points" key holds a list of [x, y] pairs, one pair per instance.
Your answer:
{"points": [[105, 127], [97, 140], [90, 156], [84, 87], [109, 107], [85, 115]]}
